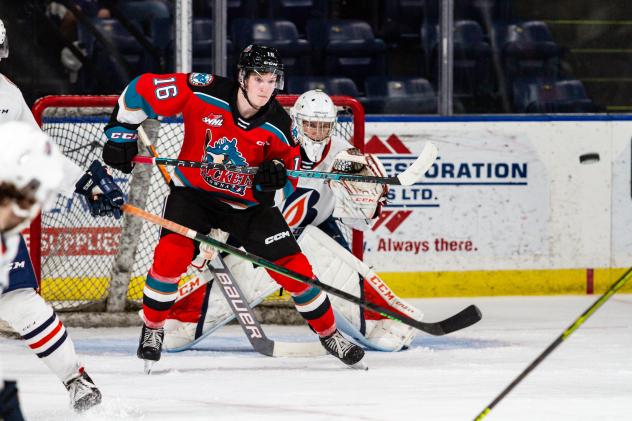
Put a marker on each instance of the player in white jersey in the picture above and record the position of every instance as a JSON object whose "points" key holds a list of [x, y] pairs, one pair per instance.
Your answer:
{"points": [[313, 211], [20, 305]]}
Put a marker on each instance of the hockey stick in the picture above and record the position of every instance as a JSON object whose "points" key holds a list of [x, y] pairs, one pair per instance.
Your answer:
{"points": [[250, 325], [231, 291], [572, 328], [408, 177], [462, 319], [142, 135]]}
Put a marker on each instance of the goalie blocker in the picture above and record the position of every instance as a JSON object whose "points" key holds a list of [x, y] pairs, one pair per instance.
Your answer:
{"points": [[205, 310]]}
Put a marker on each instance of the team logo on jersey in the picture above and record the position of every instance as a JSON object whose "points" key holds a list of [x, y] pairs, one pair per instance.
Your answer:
{"points": [[213, 120], [200, 79], [299, 209], [224, 151]]}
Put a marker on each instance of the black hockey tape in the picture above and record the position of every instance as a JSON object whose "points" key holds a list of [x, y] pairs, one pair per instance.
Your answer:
{"points": [[589, 158]]}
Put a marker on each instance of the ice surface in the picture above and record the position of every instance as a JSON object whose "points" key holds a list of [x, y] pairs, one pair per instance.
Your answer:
{"points": [[453, 377]]}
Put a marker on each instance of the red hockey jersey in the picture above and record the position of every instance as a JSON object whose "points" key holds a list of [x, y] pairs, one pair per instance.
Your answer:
{"points": [[213, 130]]}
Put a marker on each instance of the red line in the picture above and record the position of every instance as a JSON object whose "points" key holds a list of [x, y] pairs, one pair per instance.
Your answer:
{"points": [[590, 281]]}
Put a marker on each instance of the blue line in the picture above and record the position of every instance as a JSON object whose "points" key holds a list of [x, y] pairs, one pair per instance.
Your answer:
{"points": [[395, 205], [398, 156], [475, 183], [495, 118]]}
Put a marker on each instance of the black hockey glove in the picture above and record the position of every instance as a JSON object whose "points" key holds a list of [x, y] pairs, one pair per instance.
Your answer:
{"points": [[119, 155], [103, 195], [270, 177]]}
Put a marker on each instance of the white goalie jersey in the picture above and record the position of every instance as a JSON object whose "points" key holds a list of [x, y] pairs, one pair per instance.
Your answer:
{"points": [[313, 201]]}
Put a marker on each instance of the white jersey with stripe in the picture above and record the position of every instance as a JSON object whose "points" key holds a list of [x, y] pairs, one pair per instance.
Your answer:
{"points": [[14, 108], [313, 201]]}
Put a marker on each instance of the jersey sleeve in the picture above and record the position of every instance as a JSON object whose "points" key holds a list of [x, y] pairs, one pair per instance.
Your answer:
{"points": [[147, 96]]}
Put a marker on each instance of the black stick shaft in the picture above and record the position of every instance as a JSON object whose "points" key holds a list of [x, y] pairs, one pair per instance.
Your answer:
{"points": [[572, 328], [463, 319]]}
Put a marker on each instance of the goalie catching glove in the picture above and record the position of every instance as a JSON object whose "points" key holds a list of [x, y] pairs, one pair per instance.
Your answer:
{"points": [[104, 197], [354, 199]]}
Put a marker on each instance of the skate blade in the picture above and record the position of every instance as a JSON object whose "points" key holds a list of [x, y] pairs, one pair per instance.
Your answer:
{"points": [[360, 365], [148, 366]]}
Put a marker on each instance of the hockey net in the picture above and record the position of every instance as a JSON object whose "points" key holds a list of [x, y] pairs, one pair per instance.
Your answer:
{"points": [[99, 265]]}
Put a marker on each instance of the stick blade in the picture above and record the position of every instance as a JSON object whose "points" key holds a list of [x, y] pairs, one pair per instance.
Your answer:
{"points": [[465, 318], [422, 164]]}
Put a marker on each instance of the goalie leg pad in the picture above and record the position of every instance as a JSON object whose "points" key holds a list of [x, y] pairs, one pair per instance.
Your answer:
{"points": [[42, 331], [335, 266]]}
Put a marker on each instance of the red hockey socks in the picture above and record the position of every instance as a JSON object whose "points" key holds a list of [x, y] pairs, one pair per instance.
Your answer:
{"points": [[311, 302], [171, 258]]}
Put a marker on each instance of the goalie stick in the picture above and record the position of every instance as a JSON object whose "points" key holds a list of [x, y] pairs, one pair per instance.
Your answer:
{"points": [[408, 177], [248, 322], [460, 320]]}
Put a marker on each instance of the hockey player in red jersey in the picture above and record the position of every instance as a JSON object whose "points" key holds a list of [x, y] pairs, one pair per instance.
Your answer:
{"points": [[238, 123], [315, 212]]}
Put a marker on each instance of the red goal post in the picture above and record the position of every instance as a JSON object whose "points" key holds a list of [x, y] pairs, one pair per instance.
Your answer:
{"points": [[99, 264]]}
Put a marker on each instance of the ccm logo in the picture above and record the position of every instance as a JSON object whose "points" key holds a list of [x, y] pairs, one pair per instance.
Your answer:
{"points": [[277, 237], [127, 136], [17, 265]]}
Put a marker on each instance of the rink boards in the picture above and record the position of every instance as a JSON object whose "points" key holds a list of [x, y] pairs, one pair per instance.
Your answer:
{"points": [[507, 208]]}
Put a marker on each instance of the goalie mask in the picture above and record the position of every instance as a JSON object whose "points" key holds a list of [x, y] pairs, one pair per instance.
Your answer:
{"points": [[314, 117], [4, 41], [30, 173]]}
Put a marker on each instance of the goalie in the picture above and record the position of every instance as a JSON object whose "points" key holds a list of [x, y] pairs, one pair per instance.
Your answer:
{"points": [[313, 212]]}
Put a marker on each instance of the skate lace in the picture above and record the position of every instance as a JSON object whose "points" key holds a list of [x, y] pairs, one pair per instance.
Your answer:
{"points": [[152, 338], [338, 344]]}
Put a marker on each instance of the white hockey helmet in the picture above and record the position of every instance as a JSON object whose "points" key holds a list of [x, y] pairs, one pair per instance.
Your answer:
{"points": [[4, 41], [315, 111], [31, 165]]}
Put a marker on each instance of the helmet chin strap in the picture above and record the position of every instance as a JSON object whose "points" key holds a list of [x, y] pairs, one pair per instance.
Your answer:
{"points": [[242, 86], [243, 90]]}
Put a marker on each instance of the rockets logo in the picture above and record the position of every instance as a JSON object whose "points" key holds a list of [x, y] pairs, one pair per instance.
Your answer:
{"points": [[224, 151]]}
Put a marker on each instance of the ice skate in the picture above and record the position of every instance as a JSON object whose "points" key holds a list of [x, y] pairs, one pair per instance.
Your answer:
{"points": [[345, 350], [150, 346], [83, 393]]}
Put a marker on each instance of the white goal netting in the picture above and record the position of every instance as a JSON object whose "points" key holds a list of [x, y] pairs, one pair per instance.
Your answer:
{"points": [[100, 264]]}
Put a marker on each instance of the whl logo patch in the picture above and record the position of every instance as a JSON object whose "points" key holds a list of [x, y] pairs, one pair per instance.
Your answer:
{"points": [[224, 151], [213, 120]]}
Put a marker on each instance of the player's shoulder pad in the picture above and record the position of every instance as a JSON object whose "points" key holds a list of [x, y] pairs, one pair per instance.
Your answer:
{"points": [[209, 84], [279, 118]]}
